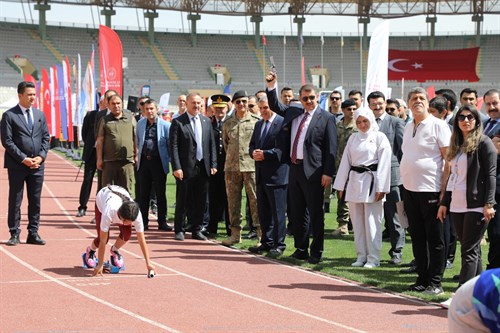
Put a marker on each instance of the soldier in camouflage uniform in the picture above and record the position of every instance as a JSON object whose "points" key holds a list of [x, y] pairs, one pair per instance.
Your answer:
{"points": [[345, 128], [239, 166]]}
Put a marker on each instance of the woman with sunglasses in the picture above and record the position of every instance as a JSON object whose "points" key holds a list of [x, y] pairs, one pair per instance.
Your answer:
{"points": [[115, 206], [363, 179], [470, 190]]}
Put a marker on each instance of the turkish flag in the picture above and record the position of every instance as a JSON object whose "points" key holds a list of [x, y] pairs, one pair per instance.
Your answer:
{"points": [[434, 65]]}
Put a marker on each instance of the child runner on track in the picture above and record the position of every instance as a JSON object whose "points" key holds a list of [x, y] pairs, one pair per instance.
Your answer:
{"points": [[115, 206]]}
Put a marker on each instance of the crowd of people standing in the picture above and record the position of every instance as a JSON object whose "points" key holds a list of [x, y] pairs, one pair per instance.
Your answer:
{"points": [[426, 167]]}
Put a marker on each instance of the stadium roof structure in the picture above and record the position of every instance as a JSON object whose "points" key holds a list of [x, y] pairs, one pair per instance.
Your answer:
{"points": [[360, 8]]}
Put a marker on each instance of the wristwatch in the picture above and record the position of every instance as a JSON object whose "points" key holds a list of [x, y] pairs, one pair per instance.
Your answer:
{"points": [[488, 205]]}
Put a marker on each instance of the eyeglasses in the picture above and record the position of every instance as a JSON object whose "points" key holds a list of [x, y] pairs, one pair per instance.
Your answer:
{"points": [[390, 110], [251, 106], [241, 101], [462, 117], [335, 98], [308, 98]]}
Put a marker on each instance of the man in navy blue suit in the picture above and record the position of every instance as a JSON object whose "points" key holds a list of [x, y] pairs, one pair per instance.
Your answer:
{"points": [[25, 136], [271, 175], [492, 129], [311, 148]]}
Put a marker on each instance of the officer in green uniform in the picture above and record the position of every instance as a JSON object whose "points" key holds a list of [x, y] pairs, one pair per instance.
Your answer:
{"points": [[345, 128], [239, 167]]}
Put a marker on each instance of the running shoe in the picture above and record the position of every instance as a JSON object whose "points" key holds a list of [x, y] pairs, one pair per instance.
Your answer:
{"points": [[90, 259], [116, 258]]}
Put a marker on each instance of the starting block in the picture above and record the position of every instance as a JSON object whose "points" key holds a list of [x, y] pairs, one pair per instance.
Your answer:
{"points": [[109, 267]]}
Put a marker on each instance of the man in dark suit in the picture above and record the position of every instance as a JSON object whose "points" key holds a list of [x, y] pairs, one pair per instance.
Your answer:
{"points": [[194, 159], [312, 145], [393, 129], [271, 174], [25, 136], [218, 209], [492, 129], [89, 159]]}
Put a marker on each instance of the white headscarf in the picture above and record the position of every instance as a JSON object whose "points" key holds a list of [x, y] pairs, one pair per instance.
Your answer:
{"points": [[368, 114]]}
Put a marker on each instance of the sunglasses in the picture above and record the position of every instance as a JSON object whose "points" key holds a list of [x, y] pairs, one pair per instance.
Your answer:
{"points": [[308, 98], [462, 117], [390, 110], [142, 103], [335, 98], [241, 101], [251, 106]]}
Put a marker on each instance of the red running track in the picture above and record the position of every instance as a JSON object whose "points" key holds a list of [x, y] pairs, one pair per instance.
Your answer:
{"points": [[200, 286]]}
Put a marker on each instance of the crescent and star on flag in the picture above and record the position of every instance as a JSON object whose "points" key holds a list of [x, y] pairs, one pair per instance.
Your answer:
{"points": [[393, 62]]}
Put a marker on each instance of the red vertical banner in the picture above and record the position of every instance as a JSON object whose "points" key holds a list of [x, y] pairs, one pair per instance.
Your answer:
{"points": [[431, 92], [45, 97], [55, 101], [30, 78], [111, 56], [69, 103]]}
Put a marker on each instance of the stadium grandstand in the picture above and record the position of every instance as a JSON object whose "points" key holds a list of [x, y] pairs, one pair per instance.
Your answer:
{"points": [[179, 62]]}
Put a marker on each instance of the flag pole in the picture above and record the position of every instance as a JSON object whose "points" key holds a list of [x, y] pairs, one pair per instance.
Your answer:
{"points": [[342, 60], [284, 57], [322, 43]]}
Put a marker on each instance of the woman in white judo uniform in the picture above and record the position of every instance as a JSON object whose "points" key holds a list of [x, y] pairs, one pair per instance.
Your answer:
{"points": [[363, 179]]}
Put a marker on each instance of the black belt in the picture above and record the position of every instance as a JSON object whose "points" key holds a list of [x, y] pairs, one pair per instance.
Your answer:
{"points": [[297, 162], [367, 168], [150, 157]]}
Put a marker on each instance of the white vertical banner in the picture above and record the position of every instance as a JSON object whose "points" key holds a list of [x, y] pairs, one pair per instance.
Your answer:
{"points": [[378, 59]]}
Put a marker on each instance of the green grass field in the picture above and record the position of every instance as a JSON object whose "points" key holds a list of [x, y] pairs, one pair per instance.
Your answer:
{"points": [[340, 252]]}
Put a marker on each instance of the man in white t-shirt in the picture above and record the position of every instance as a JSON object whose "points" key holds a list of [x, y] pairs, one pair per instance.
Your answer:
{"points": [[425, 142]]}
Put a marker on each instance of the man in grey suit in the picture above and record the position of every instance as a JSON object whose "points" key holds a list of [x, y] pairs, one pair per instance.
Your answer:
{"points": [[393, 128], [25, 136], [194, 160]]}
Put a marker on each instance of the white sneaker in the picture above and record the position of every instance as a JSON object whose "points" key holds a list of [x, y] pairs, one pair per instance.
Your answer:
{"points": [[371, 265], [358, 263], [446, 304]]}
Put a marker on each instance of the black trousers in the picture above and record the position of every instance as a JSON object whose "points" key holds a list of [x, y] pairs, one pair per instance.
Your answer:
{"points": [[427, 236], [218, 209], [88, 178], [191, 195], [494, 238], [306, 195], [151, 175], [470, 229], [33, 178]]}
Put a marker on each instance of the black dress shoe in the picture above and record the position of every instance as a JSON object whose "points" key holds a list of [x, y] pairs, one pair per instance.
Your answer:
{"points": [[409, 270], [258, 249], [198, 235], [165, 227], [81, 212], [275, 253], [34, 239], [179, 236], [251, 235], [300, 255], [314, 260], [13, 241]]}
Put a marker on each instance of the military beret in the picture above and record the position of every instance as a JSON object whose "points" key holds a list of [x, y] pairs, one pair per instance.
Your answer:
{"points": [[239, 94], [348, 103]]}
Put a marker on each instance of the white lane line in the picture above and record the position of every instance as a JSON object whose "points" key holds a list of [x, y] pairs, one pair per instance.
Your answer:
{"points": [[85, 278], [87, 295]]}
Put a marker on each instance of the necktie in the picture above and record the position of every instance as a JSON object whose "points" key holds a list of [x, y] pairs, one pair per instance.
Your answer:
{"points": [[197, 137], [490, 125], [30, 121], [297, 136], [264, 133]]}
